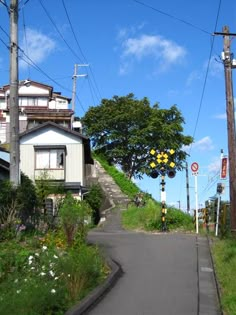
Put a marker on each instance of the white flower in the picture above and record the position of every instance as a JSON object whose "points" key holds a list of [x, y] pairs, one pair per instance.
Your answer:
{"points": [[25, 280], [68, 275], [53, 291], [56, 278], [43, 267], [30, 262], [52, 273], [42, 274], [32, 268], [44, 248], [18, 291], [16, 281], [55, 256], [31, 257], [36, 254]]}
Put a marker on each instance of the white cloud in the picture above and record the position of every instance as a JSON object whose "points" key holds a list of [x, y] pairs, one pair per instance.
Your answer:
{"points": [[37, 46], [193, 76], [157, 46], [220, 116], [214, 167], [215, 69], [165, 51], [204, 144]]}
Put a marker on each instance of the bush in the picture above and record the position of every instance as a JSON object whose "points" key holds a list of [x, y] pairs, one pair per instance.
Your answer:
{"points": [[94, 198], [178, 219], [73, 214]]}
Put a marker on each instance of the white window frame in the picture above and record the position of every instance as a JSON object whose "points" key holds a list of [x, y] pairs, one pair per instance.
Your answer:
{"points": [[50, 158]]}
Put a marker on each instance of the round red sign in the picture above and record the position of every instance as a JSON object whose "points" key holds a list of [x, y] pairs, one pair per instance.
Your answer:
{"points": [[194, 167]]}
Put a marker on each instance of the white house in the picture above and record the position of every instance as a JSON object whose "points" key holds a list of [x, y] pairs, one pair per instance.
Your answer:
{"points": [[38, 103], [64, 154]]}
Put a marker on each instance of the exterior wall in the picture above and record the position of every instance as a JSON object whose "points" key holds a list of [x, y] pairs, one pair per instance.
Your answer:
{"points": [[32, 90], [74, 159], [3, 131], [58, 103], [75, 163], [27, 160]]}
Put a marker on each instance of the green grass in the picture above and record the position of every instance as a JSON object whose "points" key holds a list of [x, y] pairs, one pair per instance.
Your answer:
{"points": [[224, 256], [148, 218], [144, 218]]}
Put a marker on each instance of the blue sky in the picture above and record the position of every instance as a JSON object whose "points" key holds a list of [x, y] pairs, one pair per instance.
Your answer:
{"points": [[163, 50]]}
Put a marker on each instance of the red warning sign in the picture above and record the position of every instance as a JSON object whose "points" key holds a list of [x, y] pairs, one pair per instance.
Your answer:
{"points": [[224, 165]]}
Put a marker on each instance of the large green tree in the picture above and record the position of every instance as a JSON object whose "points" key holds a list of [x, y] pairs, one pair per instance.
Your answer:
{"points": [[125, 129]]}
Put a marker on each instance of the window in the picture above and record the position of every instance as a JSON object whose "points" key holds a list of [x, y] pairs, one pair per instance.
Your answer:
{"points": [[50, 158], [32, 101]]}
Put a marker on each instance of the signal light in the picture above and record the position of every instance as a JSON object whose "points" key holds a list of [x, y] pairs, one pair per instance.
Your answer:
{"points": [[171, 173], [154, 174]]}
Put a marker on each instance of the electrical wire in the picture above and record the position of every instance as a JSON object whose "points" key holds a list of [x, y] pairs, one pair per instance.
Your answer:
{"points": [[59, 32], [172, 17], [25, 36], [73, 32], [5, 4], [32, 63], [85, 59]]}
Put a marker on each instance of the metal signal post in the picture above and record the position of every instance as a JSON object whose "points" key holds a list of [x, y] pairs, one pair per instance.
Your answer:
{"points": [[163, 165]]}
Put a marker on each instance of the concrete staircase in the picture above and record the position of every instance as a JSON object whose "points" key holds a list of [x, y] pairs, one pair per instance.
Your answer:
{"points": [[114, 197]]}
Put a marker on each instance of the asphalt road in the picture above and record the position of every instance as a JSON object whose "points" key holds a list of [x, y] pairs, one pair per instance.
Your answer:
{"points": [[161, 273]]}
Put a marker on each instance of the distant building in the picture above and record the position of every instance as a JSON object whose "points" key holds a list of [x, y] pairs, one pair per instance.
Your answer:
{"points": [[38, 103]]}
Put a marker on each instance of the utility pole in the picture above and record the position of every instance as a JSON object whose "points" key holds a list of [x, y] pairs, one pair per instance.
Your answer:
{"points": [[226, 56], [74, 78], [14, 106], [187, 188]]}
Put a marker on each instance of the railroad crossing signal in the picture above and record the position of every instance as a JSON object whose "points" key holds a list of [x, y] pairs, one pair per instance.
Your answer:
{"points": [[163, 165]]}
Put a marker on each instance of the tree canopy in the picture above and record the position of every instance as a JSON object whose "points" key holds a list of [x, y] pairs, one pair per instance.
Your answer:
{"points": [[125, 129]]}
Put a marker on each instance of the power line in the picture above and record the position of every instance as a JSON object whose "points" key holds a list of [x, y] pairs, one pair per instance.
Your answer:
{"points": [[172, 17], [206, 75], [25, 37], [68, 18], [85, 59], [59, 32], [32, 63], [5, 4]]}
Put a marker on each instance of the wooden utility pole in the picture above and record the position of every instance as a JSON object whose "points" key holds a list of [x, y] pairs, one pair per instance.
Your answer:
{"points": [[13, 102], [227, 59]]}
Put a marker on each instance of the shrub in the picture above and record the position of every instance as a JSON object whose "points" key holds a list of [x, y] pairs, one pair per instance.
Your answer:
{"points": [[73, 214], [178, 219], [94, 198]]}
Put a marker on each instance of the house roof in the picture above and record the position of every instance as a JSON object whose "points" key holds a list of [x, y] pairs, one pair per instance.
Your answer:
{"points": [[38, 84], [57, 126]]}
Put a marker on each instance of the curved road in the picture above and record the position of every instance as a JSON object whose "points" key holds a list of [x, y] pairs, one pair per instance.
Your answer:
{"points": [[163, 273]]}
